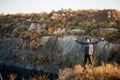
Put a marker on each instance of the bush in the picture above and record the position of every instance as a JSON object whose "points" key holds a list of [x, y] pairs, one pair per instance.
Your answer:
{"points": [[40, 60], [105, 72]]}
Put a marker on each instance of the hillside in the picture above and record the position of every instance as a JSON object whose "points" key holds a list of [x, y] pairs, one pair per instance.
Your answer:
{"points": [[44, 41], [63, 21]]}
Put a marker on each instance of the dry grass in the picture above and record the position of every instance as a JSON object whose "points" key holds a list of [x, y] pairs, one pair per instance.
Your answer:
{"points": [[12, 76], [40, 77], [104, 72]]}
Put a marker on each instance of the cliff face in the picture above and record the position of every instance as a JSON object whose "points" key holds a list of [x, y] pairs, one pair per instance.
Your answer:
{"points": [[53, 50]]}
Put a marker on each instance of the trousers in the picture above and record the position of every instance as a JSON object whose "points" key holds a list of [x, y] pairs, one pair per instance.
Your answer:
{"points": [[89, 58]]}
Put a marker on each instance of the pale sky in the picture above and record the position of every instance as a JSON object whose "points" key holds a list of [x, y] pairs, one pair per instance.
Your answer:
{"points": [[29, 6]]}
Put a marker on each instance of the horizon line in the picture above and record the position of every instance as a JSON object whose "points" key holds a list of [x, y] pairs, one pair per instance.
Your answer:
{"points": [[52, 10]]}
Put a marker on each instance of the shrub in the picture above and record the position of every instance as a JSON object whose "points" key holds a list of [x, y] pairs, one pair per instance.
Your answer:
{"points": [[39, 77], [40, 60], [106, 72]]}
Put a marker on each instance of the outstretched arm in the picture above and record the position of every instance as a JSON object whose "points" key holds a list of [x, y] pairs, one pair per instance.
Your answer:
{"points": [[80, 42], [97, 41]]}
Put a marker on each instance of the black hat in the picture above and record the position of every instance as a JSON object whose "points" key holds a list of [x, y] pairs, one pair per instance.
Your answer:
{"points": [[88, 38]]}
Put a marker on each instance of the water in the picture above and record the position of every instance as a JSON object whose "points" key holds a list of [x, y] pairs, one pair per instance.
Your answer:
{"points": [[21, 74]]}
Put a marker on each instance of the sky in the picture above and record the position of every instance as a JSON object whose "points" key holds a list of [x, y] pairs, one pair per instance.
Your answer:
{"points": [[36, 6]]}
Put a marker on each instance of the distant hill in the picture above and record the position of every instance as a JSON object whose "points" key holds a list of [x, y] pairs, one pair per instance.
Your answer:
{"points": [[89, 22]]}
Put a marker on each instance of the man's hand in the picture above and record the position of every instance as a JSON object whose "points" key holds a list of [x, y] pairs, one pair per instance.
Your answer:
{"points": [[74, 38]]}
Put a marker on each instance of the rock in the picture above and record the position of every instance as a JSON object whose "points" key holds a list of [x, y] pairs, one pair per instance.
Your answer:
{"points": [[10, 43], [108, 29], [47, 68], [29, 66], [66, 44], [59, 31], [39, 68], [32, 27], [45, 40], [1, 62], [54, 49], [78, 31], [37, 26]]}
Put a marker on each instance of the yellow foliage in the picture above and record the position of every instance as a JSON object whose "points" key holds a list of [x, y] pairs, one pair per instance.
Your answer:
{"points": [[50, 30], [102, 33], [111, 23], [34, 45], [70, 10], [106, 72], [23, 47], [109, 14], [63, 15]]}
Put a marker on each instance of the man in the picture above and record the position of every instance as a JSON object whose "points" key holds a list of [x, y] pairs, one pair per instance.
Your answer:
{"points": [[88, 49]]}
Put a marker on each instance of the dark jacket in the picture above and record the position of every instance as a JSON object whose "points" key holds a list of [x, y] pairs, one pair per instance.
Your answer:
{"points": [[86, 45]]}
